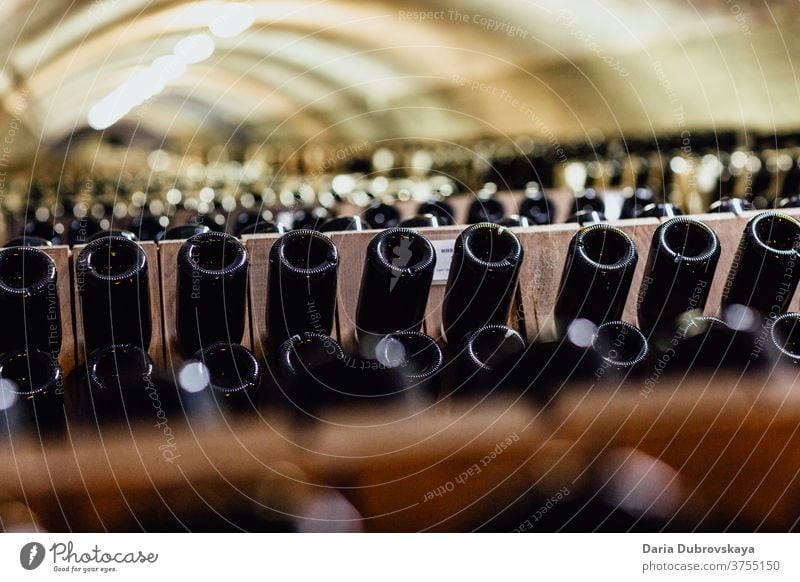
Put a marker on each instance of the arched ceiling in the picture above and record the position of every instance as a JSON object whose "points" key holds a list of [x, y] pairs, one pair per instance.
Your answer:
{"points": [[350, 70]]}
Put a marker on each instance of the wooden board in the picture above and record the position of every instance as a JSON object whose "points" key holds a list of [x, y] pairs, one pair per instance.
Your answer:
{"points": [[258, 248], [61, 257]]}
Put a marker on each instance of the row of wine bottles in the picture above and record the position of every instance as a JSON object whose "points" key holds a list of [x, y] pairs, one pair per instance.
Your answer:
{"points": [[211, 295]]}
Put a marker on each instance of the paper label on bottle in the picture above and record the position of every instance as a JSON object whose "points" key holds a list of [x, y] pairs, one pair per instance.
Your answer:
{"points": [[444, 256]]}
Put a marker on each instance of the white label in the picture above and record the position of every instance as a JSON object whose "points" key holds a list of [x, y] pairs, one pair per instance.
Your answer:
{"points": [[444, 256]]}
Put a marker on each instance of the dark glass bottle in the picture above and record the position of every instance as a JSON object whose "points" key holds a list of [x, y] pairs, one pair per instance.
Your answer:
{"points": [[115, 232], [112, 281], [784, 337], [712, 345], [309, 218], [234, 375], [634, 205], [264, 227], [764, 273], [212, 291], [413, 362], [590, 200], [81, 229], [28, 241], [29, 303], [403, 372], [536, 206], [344, 223], [303, 269], [587, 217], [442, 210], [665, 210], [45, 229], [586, 354], [394, 287], [597, 275], [791, 180], [117, 386], [680, 266], [792, 201], [622, 351], [488, 361], [421, 221], [482, 281], [485, 210], [735, 205], [31, 392], [515, 221], [182, 232], [310, 368], [145, 226], [381, 215]]}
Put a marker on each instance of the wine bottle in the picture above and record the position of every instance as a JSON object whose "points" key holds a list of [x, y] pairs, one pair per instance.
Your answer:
{"points": [[485, 209], [710, 344], [589, 200], [403, 372], [536, 207], [264, 227], [43, 229], [112, 281], [29, 303], [303, 268], [145, 226], [414, 363], [661, 210], [587, 217], [212, 291], [442, 210], [482, 281], [680, 266], [784, 337], [421, 221], [310, 368], [597, 275], [344, 223], [182, 232], [309, 218], [81, 229], [735, 205], [381, 215], [622, 350], [488, 361], [118, 385], [28, 241], [31, 392], [234, 375], [515, 221], [397, 278], [634, 205], [115, 232], [764, 273]]}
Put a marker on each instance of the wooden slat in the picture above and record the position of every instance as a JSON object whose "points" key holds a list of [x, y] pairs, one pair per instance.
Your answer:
{"points": [[61, 257], [258, 248]]}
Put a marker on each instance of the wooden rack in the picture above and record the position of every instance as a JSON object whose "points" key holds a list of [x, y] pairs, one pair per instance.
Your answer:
{"points": [[733, 441]]}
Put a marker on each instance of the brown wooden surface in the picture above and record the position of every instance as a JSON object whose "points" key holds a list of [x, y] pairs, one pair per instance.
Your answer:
{"points": [[734, 445], [61, 257], [258, 248]]}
